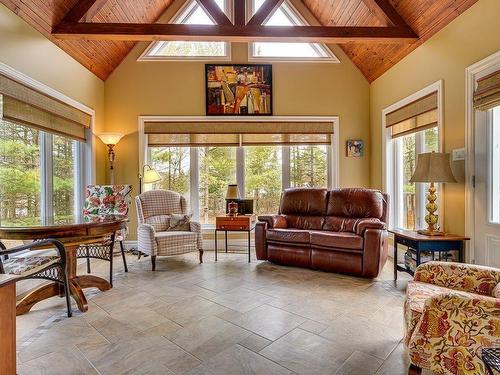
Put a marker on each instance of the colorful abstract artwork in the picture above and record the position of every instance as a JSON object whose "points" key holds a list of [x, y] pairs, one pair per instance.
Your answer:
{"points": [[355, 148], [239, 90]]}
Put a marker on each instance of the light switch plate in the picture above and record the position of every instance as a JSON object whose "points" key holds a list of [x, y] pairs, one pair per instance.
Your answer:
{"points": [[459, 154]]}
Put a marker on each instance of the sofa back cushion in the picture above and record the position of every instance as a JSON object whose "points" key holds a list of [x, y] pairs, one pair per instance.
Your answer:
{"points": [[356, 203], [340, 224], [305, 222], [304, 202]]}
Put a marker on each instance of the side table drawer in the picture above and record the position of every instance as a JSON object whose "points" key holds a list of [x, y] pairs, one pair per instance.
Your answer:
{"points": [[233, 226]]}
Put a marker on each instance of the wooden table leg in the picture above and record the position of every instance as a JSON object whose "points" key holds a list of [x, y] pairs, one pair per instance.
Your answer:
{"points": [[91, 281], [39, 294], [8, 329]]}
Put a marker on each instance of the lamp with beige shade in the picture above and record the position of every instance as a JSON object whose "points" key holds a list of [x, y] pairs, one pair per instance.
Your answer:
{"points": [[432, 167], [110, 140], [232, 194]]}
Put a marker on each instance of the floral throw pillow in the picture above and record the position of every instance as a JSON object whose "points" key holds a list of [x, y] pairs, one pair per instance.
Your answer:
{"points": [[179, 223]]}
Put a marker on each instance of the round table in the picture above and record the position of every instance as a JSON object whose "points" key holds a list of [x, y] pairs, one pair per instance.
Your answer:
{"points": [[72, 233]]}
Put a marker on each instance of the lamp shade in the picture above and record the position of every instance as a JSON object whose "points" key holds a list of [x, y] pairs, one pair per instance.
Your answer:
{"points": [[433, 167], [110, 138], [232, 192], [151, 176]]}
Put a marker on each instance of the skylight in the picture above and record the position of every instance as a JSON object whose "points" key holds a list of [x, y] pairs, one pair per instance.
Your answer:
{"points": [[191, 14], [286, 15]]}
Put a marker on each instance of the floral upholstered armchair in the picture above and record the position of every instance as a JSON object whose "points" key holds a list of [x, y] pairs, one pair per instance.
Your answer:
{"points": [[102, 201], [452, 311], [157, 234]]}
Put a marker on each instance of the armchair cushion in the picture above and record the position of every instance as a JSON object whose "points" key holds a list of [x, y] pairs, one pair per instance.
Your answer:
{"points": [[175, 242], [274, 221], [459, 276], [28, 265]]}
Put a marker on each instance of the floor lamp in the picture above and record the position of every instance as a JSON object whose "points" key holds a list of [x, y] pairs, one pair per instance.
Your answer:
{"points": [[110, 140], [149, 175]]}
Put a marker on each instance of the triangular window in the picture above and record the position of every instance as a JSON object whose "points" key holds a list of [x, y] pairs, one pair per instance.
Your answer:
{"points": [[191, 14], [287, 15]]}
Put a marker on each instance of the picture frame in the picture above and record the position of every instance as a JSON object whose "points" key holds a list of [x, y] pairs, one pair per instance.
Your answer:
{"points": [[355, 148], [239, 89]]}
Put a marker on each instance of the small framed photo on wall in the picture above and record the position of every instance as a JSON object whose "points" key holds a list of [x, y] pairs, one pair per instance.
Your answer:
{"points": [[354, 148]]}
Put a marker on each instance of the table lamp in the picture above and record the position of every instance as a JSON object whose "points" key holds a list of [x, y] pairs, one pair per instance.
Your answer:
{"points": [[149, 175], [110, 140], [432, 167], [231, 195]]}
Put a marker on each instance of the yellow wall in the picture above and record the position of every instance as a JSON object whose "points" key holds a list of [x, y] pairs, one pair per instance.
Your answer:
{"points": [[26, 50], [469, 38], [178, 88]]}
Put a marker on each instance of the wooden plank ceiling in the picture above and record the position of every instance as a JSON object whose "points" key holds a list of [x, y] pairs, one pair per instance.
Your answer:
{"points": [[425, 17]]}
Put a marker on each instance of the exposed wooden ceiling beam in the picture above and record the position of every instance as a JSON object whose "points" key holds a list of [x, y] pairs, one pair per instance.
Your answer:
{"points": [[82, 8], [384, 11], [217, 15], [265, 12], [239, 12], [230, 33]]}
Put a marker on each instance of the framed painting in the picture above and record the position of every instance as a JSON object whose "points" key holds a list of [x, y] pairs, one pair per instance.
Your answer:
{"points": [[355, 148], [239, 89]]}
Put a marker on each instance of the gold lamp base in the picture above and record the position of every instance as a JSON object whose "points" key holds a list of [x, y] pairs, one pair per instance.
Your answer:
{"points": [[427, 232]]}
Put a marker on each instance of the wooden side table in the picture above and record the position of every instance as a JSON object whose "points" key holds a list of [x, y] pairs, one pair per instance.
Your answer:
{"points": [[240, 223], [422, 243]]}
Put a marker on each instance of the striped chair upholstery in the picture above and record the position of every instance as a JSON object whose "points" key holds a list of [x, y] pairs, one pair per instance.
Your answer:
{"points": [[153, 214]]}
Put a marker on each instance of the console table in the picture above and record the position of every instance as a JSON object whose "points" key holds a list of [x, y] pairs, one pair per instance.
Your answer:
{"points": [[239, 223], [422, 243]]}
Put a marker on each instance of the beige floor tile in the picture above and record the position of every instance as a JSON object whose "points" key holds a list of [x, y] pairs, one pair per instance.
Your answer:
{"points": [[313, 327], [359, 364], [222, 283], [241, 299], [238, 360], [268, 321], [306, 353], [255, 342], [190, 309], [208, 337], [63, 362]]}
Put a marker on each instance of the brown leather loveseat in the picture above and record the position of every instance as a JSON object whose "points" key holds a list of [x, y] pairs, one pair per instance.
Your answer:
{"points": [[342, 230]]}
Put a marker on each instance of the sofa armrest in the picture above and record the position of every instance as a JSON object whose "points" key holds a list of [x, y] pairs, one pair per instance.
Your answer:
{"points": [[146, 241], [375, 251], [274, 221], [195, 227], [260, 240], [459, 276], [368, 223], [455, 325]]}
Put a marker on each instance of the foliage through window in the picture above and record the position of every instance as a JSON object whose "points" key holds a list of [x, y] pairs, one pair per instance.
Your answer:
{"points": [[191, 14], [308, 166], [287, 15]]}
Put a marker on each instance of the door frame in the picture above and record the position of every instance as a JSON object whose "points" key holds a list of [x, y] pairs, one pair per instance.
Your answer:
{"points": [[472, 74]]}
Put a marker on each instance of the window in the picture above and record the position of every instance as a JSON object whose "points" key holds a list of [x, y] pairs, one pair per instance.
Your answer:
{"points": [[308, 166], [173, 165], [263, 174], [412, 128], [287, 15], [495, 165], [190, 14], [64, 179]]}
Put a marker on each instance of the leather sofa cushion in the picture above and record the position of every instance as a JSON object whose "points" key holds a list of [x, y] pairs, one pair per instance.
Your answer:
{"points": [[308, 202], [356, 203], [340, 224], [289, 235], [339, 240], [305, 222]]}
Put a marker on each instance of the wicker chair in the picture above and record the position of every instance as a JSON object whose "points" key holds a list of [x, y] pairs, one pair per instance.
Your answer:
{"points": [[30, 266], [102, 201], [153, 235]]}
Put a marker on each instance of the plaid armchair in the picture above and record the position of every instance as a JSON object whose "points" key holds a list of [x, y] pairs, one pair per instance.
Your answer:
{"points": [[154, 236], [452, 311]]}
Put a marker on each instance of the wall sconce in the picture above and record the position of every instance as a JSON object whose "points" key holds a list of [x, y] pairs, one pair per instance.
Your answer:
{"points": [[110, 140]]}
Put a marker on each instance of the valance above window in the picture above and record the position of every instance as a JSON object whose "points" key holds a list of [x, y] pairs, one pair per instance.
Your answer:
{"points": [[26, 106], [487, 93], [413, 117], [199, 134]]}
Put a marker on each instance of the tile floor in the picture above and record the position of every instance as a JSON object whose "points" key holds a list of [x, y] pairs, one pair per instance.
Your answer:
{"points": [[229, 317]]}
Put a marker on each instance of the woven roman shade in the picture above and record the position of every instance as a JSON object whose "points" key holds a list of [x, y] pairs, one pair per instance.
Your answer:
{"points": [[413, 117], [198, 134], [26, 106], [487, 93]]}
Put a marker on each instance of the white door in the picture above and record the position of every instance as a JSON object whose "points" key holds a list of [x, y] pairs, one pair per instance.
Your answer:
{"points": [[487, 190]]}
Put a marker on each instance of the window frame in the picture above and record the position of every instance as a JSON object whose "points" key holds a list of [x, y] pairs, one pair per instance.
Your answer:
{"points": [[182, 13], [391, 163], [333, 153], [300, 20], [85, 161]]}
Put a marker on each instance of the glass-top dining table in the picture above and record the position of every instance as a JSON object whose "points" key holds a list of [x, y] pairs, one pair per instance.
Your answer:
{"points": [[73, 232]]}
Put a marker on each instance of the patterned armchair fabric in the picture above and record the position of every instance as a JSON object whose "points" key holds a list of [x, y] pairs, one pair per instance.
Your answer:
{"points": [[106, 200], [451, 313], [153, 213]]}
